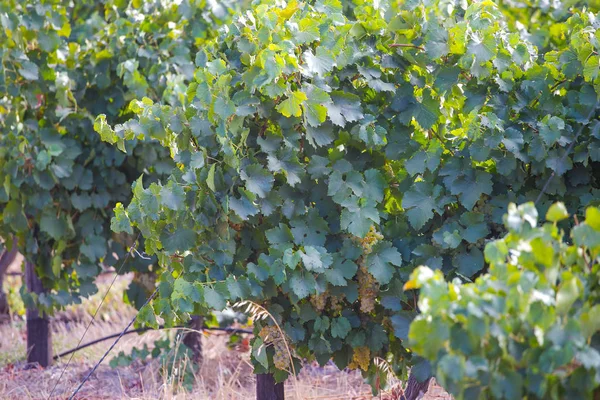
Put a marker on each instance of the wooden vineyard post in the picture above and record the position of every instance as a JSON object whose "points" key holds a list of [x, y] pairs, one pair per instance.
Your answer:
{"points": [[39, 343], [193, 340], [267, 389], [415, 389], [6, 259]]}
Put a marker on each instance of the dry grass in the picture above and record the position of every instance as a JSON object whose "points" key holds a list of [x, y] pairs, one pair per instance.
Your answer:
{"points": [[225, 374]]}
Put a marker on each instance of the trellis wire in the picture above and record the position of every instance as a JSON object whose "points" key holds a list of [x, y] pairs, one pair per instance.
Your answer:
{"points": [[111, 346], [232, 331], [95, 313]]}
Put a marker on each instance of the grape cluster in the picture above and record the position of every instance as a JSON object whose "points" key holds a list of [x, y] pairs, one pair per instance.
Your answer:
{"points": [[147, 281], [361, 358], [370, 240], [367, 285], [389, 171], [280, 358], [236, 227], [367, 290], [271, 335], [483, 206], [319, 301], [336, 303]]}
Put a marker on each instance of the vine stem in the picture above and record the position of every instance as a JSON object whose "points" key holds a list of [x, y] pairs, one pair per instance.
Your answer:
{"points": [[552, 89], [442, 142], [414, 46]]}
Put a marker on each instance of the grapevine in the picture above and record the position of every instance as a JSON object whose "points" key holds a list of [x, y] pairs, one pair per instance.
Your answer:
{"points": [[327, 151]]}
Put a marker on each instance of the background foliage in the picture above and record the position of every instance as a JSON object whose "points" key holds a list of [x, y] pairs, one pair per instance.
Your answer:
{"points": [[62, 65]]}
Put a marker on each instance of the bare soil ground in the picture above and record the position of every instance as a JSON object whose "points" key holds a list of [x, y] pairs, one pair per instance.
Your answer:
{"points": [[225, 374]]}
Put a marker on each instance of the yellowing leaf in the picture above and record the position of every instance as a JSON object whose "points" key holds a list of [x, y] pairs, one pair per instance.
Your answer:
{"points": [[65, 30], [591, 68], [291, 106], [412, 284], [567, 295], [557, 212], [287, 12]]}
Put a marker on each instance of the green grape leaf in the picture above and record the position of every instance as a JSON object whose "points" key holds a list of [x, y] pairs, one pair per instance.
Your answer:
{"points": [[29, 71], [557, 212], [214, 299], [426, 112], [420, 204], [568, 293], [340, 327], [381, 262], [172, 196], [315, 108], [300, 285], [319, 63], [179, 241], [146, 317], [345, 107], [483, 50], [244, 206], [55, 226], [315, 258], [94, 248], [401, 325], [358, 221], [341, 272], [469, 263], [120, 222], [258, 180], [319, 136]]}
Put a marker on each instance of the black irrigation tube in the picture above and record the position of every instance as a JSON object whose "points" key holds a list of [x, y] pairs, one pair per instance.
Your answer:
{"points": [[93, 342]]}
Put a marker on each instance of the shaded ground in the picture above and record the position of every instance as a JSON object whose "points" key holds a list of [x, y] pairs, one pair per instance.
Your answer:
{"points": [[225, 374]]}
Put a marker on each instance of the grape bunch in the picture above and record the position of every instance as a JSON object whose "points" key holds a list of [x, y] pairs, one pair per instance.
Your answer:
{"points": [[367, 290], [336, 303], [272, 336], [236, 227], [280, 358], [319, 301], [483, 205], [389, 171], [370, 240], [367, 285], [361, 358]]}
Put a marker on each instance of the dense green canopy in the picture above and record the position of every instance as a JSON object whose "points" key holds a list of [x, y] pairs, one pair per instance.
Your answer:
{"points": [[324, 154], [61, 66]]}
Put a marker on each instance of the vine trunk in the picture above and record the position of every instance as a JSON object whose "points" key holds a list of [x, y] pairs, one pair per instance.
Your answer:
{"points": [[268, 389], [193, 339], [39, 343], [6, 259]]}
